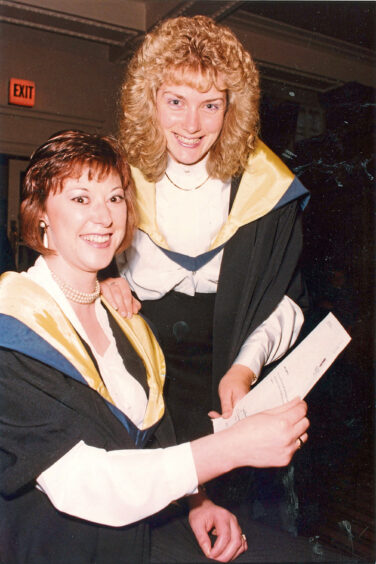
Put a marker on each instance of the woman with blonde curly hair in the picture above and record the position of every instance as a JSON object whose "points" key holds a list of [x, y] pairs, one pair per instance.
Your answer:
{"points": [[191, 52], [214, 261]]}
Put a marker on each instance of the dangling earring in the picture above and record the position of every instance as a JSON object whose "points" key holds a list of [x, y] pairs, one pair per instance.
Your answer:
{"points": [[43, 226]]}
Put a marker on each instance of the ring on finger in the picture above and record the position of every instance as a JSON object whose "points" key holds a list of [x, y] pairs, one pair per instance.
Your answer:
{"points": [[244, 537], [300, 441]]}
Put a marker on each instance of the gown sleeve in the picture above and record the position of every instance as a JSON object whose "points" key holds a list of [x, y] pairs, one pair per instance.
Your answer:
{"points": [[59, 433], [272, 338]]}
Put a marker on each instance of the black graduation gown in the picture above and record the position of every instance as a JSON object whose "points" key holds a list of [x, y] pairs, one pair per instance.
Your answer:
{"points": [[201, 335], [44, 412], [260, 266]]}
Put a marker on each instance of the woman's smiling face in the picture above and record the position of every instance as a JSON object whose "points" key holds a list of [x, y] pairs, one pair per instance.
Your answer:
{"points": [[86, 222], [190, 119]]}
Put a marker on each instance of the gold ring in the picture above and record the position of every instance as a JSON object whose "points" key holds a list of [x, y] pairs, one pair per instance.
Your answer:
{"points": [[301, 443], [244, 537]]}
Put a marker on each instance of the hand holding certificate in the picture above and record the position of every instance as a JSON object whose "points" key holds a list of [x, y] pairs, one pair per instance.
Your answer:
{"points": [[296, 374]]}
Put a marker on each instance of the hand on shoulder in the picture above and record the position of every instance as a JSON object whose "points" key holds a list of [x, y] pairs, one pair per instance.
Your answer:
{"points": [[118, 293]]}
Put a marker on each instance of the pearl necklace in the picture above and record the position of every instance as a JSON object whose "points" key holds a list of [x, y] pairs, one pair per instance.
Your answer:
{"points": [[187, 189], [76, 295]]}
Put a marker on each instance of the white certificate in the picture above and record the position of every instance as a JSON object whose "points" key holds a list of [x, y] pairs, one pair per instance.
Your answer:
{"points": [[296, 374]]}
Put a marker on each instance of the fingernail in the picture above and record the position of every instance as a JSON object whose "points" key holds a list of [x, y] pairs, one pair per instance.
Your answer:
{"points": [[206, 549]]}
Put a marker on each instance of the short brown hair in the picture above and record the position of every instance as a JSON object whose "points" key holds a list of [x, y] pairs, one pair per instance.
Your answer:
{"points": [[180, 50], [63, 155]]}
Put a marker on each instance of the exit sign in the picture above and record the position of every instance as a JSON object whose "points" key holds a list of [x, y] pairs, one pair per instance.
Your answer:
{"points": [[21, 92]]}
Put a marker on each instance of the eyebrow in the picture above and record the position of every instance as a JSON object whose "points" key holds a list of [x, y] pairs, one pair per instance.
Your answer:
{"points": [[118, 187], [172, 93]]}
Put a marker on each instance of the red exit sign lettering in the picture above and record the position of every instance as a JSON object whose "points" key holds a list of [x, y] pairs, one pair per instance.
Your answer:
{"points": [[21, 92]]}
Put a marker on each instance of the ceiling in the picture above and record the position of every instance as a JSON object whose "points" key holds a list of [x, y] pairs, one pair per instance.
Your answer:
{"points": [[122, 24], [353, 22], [118, 21]]}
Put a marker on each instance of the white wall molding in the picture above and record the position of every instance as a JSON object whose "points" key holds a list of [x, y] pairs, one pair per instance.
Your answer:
{"points": [[67, 24], [14, 111], [36, 127]]}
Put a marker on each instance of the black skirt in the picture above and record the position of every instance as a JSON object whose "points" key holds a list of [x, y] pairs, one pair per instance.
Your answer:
{"points": [[184, 327]]}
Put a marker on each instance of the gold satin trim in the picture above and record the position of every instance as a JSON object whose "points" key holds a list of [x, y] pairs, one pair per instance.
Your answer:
{"points": [[26, 301], [262, 186], [32, 305], [145, 344], [146, 206]]}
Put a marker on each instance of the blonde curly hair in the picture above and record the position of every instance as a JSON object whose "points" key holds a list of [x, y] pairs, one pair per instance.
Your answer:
{"points": [[200, 53]]}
